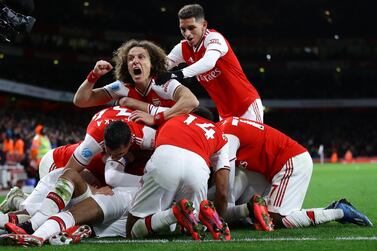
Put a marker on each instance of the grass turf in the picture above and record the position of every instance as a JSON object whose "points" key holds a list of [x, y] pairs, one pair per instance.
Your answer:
{"points": [[356, 182]]}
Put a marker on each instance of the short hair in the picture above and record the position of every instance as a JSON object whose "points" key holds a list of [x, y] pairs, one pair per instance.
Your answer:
{"points": [[117, 134], [156, 53], [204, 112], [191, 10]]}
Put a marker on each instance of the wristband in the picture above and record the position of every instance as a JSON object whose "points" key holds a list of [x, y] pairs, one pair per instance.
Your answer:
{"points": [[159, 118], [92, 77]]}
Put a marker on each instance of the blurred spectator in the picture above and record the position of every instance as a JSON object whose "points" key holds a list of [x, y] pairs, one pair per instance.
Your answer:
{"points": [[19, 148], [8, 145], [39, 146]]}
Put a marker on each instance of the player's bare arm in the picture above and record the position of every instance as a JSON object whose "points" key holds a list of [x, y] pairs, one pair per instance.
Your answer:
{"points": [[185, 103], [134, 104], [221, 197], [85, 95], [73, 164]]}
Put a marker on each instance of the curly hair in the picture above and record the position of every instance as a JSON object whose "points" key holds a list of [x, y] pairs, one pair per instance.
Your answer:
{"points": [[156, 53]]}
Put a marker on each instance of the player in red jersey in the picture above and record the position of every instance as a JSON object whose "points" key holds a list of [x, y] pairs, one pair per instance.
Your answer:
{"points": [[136, 64], [123, 136], [271, 163], [186, 146], [211, 59]]}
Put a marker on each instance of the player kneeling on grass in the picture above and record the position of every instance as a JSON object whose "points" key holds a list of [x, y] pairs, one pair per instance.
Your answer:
{"points": [[117, 145], [271, 163], [179, 170]]}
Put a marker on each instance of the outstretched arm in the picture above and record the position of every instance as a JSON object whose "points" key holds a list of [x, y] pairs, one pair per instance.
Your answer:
{"points": [[185, 103]]}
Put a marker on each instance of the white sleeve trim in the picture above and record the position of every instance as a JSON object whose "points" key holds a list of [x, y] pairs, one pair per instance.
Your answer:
{"points": [[117, 89], [153, 110], [148, 142], [167, 90], [86, 150], [206, 63], [215, 41], [114, 172], [175, 56], [234, 144], [220, 159]]}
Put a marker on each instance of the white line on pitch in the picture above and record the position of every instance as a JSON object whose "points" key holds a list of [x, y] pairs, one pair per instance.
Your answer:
{"points": [[349, 238]]}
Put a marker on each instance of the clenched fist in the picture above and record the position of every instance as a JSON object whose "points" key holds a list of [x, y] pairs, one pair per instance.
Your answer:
{"points": [[101, 68]]}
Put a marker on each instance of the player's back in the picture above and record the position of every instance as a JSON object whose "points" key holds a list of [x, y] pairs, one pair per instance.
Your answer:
{"points": [[100, 120], [193, 133], [262, 148]]}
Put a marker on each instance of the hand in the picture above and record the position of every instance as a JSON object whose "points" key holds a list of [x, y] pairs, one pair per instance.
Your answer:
{"points": [[143, 117], [101, 68], [166, 76]]}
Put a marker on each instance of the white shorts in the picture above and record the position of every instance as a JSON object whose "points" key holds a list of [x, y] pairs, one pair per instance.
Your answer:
{"points": [[287, 191], [114, 206], [112, 229], [34, 201], [115, 209], [172, 173], [47, 164], [254, 112]]}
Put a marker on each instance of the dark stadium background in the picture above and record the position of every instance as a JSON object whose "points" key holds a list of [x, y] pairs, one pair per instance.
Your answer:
{"points": [[313, 62]]}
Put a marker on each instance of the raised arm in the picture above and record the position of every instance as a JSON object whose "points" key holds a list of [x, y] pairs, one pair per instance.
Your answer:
{"points": [[85, 95]]}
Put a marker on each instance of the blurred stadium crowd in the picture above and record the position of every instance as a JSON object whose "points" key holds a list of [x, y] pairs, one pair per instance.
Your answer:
{"points": [[289, 50]]}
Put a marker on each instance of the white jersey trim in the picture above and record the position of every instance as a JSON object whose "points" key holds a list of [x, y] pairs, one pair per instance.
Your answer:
{"points": [[220, 159], [85, 152], [117, 89]]}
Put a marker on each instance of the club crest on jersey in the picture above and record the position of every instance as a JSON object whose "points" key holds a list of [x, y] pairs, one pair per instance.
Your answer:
{"points": [[86, 153], [156, 101], [115, 86], [214, 41]]}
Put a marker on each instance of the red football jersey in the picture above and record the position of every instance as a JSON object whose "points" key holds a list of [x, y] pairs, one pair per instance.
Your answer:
{"points": [[226, 83], [153, 94], [193, 133], [150, 97], [62, 154], [262, 148], [100, 120]]}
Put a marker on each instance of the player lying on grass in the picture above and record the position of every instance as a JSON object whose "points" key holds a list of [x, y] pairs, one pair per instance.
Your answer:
{"points": [[69, 184], [270, 163], [200, 132], [117, 141]]}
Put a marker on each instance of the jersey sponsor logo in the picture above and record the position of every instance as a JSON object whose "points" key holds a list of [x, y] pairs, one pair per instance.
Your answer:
{"points": [[86, 153], [115, 86], [243, 164], [211, 75], [166, 85]]}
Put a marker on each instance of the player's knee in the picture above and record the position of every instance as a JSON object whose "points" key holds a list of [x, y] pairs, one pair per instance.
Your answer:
{"points": [[71, 175]]}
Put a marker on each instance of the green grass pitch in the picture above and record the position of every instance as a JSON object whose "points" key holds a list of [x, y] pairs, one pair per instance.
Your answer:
{"points": [[356, 182]]}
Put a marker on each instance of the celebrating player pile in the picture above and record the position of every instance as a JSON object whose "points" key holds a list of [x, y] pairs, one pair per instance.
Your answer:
{"points": [[90, 188]]}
